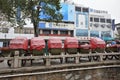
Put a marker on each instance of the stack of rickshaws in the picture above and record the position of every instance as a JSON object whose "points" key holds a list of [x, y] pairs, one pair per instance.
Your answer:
{"points": [[18, 44], [70, 46], [113, 47], [37, 46], [97, 45], [40, 47], [55, 47], [26, 47], [91, 46]]}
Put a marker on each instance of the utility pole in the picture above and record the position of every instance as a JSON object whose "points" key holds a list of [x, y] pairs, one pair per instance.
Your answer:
{"points": [[88, 26]]}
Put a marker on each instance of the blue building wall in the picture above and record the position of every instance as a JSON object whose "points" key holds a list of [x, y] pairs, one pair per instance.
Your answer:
{"points": [[71, 13], [68, 12], [64, 11]]}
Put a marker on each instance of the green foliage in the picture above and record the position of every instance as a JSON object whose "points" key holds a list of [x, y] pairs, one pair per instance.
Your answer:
{"points": [[50, 8], [6, 8]]}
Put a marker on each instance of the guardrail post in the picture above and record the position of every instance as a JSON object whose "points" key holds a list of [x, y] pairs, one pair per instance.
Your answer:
{"points": [[101, 57], [63, 58], [77, 58], [16, 62], [48, 60]]}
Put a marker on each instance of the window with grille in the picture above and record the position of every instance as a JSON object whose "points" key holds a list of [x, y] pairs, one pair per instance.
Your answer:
{"points": [[96, 19]]}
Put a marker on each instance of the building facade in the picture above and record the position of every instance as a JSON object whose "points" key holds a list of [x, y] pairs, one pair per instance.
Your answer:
{"points": [[100, 24], [78, 21], [61, 29], [89, 22]]}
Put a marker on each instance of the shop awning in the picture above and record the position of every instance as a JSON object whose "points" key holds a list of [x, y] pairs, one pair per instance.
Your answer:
{"points": [[107, 38]]}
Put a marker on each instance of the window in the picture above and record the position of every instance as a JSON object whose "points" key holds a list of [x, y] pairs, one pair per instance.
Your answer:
{"points": [[17, 30], [108, 20], [71, 33], [55, 32], [32, 31], [46, 31], [63, 32], [81, 32], [96, 19], [102, 20], [5, 30], [78, 9], [5, 44], [106, 34], [85, 10], [26, 31], [91, 19], [94, 33]]}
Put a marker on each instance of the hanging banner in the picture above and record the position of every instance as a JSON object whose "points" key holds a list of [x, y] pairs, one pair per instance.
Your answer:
{"points": [[113, 24]]}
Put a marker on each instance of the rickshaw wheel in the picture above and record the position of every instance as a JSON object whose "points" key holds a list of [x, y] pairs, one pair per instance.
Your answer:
{"points": [[23, 62], [96, 58], [9, 62], [110, 57]]}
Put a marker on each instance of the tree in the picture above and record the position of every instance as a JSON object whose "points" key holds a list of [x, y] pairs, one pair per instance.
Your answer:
{"points": [[19, 10]]}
